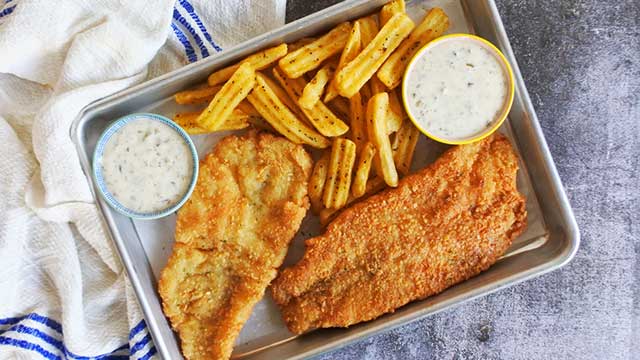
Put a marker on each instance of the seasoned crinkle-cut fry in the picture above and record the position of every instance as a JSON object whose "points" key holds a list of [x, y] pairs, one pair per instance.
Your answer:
{"points": [[310, 56], [258, 61], [363, 169], [434, 24], [336, 188], [357, 109], [357, 72], [247, 108], [286, 99], [320, 116], [300, 43], [404, 145], [278, 115], [222, 75], [350, 51], [260, 123], [317, 181], [229, 96], [390, 9], [368, 29], [187, 121], [196, 96], [313, 90], [238, 120], [396, 113], [377, 111], [374, 186]]}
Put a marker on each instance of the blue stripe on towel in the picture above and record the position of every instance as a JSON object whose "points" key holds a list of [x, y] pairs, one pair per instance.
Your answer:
{"points": [[7, 11], [19, 328], [136, 329], [192, 13], [149, 354], [29, 346], [178, 17], [22, 329], [188, 49], [140, 344], [41, 338], [34, 317]]}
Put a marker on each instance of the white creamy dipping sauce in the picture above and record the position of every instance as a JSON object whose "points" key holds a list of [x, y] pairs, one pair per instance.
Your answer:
{"points": [[147, 166], [457, 89]]}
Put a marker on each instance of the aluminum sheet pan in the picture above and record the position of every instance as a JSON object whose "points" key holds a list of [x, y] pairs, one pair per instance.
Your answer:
{"points": [[550, 241]]}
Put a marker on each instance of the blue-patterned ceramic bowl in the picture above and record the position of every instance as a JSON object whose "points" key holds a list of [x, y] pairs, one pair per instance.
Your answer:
{"points": [[97, 167]]}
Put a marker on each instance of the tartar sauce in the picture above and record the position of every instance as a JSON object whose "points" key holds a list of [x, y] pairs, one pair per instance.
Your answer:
{"points": [[457, 88], [147, 166]]}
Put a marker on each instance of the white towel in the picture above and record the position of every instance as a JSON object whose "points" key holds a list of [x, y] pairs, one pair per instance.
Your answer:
{"points": [[63, 291]]}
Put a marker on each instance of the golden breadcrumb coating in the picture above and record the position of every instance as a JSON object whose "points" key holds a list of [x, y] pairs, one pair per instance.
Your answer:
{"points": [[440, 226], [231, 236]]}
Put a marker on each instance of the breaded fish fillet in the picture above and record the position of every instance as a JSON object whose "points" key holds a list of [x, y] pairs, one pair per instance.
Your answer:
{"points": [[440, 226], [231, 236]]}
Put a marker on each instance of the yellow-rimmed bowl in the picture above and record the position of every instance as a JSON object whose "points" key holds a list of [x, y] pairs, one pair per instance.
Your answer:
{"points": [[507, 104]]}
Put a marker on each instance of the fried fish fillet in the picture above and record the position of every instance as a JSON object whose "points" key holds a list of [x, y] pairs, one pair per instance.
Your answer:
{"points": [[440, 226], [231, 236]]}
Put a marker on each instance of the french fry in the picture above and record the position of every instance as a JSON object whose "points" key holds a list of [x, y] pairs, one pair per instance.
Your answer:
{"points": [[362, 170], [238, 120], [260, 123], [404, 145], [396, 113], [317, 181], [377, 110], [376, 85], [320, 116], [356, 73], [434, 24], [313, 90], [300, 43], [374, 186], [229, 96], [187, 121], [358, 125], [390, 9], [286, 99], [350, 51], [259, 61], [340, 107], [368, 29], [310, 56], [247, 108], [336, 188], [278, 115], [196, 96]]}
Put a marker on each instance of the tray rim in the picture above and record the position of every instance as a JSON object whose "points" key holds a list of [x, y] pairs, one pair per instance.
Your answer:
{"points": [[571, 231]]}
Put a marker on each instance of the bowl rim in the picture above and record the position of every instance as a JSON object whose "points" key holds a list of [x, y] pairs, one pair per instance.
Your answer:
{"points": [[510, 91], [97, 169]]}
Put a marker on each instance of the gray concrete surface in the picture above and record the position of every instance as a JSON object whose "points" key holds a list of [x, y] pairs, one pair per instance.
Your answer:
{"points": [[580, 61]]}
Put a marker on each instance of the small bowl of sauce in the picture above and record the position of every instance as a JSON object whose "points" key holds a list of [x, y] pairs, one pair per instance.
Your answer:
{"points": [[145, 166], [458, 89]]}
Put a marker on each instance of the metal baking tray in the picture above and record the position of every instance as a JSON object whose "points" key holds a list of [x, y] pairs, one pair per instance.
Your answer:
{"points": [[550, 241]]}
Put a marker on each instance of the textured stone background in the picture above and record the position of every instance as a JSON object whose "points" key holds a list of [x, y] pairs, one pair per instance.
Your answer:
{"points": [[580, 61]]}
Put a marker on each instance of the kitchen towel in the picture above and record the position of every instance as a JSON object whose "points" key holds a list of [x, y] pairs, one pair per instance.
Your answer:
{"points": [[63, 292]]}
